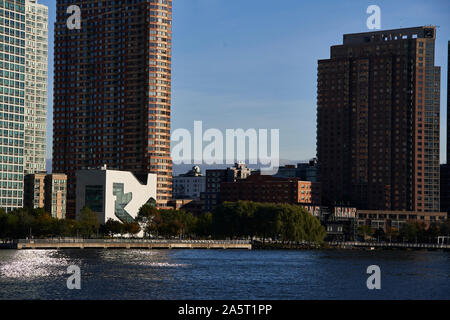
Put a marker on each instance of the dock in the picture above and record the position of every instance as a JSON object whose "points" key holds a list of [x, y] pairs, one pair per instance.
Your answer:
{"points": [[56, 244], [389, 245]]}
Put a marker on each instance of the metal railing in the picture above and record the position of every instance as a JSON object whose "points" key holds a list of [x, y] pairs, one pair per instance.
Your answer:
{"points": [[131, 241], [391, 245]]}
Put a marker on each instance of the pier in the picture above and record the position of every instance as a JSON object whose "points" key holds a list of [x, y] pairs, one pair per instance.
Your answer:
{"points": [[390, 245], [50, 244]]}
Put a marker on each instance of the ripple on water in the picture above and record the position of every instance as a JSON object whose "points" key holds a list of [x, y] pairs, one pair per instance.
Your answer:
{"points": [[34, 264], [222, 275], [156, 259], [162, 264]]}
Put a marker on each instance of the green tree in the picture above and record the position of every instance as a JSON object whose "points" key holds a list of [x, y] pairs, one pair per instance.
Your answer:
{"points": [[170, 225], [148, 218], [298, 225], [132, 228], [248, 219], [413, 231], [203, 226], [3, 224], [44, 224], [231, 219], [366, 232], [430, 235], [13, 227], [24, 225], [66, 228], [187, 221], [379, 234], [88, 222], [392, 234], [444, 228], [267, 221], [112, 228]]}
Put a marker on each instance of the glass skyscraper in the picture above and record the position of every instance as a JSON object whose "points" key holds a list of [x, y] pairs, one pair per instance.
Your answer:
{"points": [[36, 69], [23, 91]]}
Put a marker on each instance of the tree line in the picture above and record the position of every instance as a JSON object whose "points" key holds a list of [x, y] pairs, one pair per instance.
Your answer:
{"points": [[26, 223], [229, 221], [410, 231], [265, 220]]}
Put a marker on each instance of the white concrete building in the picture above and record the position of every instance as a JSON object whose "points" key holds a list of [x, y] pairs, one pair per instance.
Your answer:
{"points": [[189, 185], [112, 194]]}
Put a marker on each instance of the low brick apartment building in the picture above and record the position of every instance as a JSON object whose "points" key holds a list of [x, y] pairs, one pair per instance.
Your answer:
{"points": [[269, 189], [395, 219]]}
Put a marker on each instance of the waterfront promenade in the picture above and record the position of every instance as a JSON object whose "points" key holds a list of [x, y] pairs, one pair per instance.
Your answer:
{"points": [[389, 245], [44, 244], [349, 245], [124, 244]]}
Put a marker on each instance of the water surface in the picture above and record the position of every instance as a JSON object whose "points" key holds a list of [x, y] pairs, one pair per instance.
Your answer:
{"points": [[226, 274]]}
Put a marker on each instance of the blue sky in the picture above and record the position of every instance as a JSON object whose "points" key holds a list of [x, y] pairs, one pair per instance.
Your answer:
{"points": [[253, 63]]}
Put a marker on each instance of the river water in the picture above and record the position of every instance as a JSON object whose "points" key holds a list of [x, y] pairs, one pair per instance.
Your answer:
{"points": [[227, 274]]}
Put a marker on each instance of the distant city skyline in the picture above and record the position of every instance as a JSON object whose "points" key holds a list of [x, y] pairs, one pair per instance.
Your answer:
{"points": [[259, 61]]}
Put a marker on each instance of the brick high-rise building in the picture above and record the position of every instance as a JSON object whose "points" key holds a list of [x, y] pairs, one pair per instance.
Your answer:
{"points": [[378, 121], [448, 104], [47, 191], [445, 189], [445, 168], [112, 91]]}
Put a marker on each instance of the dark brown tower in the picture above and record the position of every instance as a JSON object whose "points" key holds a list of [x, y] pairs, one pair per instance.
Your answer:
{"points": [[448, 105], [378, 121], [112, 91]]}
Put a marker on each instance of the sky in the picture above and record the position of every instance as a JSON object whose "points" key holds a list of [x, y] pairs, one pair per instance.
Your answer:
{"points": [[253, 63]]}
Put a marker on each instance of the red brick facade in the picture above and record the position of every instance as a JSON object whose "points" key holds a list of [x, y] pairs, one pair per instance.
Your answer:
{"points": [[112, 91], [260, 188]]}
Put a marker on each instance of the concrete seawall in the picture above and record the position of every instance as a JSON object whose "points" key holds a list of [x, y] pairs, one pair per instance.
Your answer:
{"points": [[126, 244]]}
